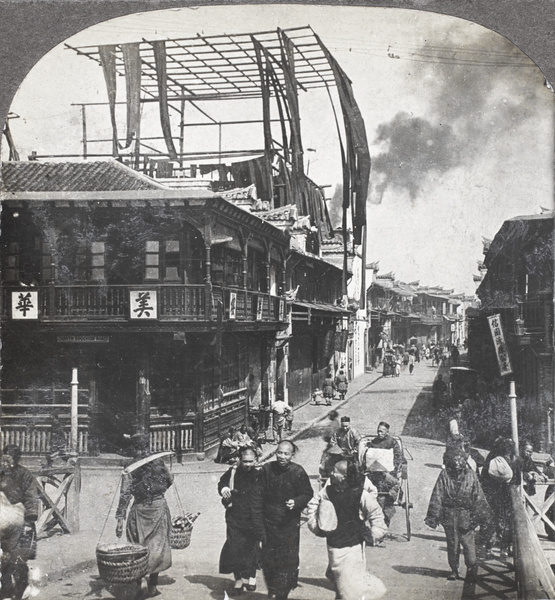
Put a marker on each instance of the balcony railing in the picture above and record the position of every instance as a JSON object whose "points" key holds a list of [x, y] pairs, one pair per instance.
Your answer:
{"points": [[173, 303], [172, 437], [35, 439]]}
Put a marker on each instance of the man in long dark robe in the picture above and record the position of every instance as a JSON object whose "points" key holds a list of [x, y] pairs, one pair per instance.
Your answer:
{"points": [[459, 505], [149, 520], [286, 491], [239, 488]]}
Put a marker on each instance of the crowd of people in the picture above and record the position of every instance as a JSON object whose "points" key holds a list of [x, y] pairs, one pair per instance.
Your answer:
{"points": [[353, 507], [360, 487]]}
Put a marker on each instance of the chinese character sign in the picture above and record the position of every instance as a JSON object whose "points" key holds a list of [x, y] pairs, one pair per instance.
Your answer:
{"points": [[143, 304], [232, 306], [259, 308], [501, 349], [25, 305], [282, 310]]}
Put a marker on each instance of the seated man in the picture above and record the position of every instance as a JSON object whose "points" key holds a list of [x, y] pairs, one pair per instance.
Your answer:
{"points": [[347, 438], [385, 441], [229, 448], [387, 486]]}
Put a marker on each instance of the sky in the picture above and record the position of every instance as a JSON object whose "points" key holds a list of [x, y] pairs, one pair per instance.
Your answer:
{"points": [[459, 121]]}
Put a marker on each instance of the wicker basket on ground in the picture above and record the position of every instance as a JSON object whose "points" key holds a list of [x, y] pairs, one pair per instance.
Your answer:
{"points": [[122, 563]]}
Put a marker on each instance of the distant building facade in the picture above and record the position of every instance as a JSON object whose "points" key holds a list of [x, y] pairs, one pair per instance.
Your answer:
{"points": [[518, 285]]}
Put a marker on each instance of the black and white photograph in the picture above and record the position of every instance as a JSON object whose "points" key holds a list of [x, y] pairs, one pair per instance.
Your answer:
{"points": [[277, 300]]}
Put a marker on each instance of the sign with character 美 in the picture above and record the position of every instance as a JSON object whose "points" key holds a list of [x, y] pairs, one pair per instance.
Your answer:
{"points": [[143, 304]]}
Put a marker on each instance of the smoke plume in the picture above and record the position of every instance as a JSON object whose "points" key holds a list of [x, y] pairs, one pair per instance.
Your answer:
{"points": [[471, 101]]}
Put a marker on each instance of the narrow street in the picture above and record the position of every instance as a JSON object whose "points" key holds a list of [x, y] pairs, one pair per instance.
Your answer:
{"points": [[418, 567]]}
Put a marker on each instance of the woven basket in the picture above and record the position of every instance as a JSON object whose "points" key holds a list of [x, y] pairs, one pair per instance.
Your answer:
{"points": [[122, 563], [180, 538]]}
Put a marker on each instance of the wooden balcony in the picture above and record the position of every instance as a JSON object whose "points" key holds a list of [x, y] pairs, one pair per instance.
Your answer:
{"points": [[172, 302]]}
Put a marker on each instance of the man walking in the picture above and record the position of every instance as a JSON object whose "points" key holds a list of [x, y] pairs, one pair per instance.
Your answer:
{"points": [[239, 488], [459, 505], [359, 517], [19, 486], [342, 384], [439, 392], [328, 388], [280, 411], [286, 491]]}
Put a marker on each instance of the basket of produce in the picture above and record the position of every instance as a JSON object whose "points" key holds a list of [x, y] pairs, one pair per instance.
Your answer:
{"points": [[180, 533], [122, 563]]}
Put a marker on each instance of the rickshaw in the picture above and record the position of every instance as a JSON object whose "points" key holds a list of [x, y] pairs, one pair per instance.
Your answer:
{"points": [[368, 455]]}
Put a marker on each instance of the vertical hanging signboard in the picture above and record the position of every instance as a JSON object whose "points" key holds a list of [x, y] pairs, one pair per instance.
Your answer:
{"points": [[232, 306], [501, 349], [282, 310], [259, 308]]}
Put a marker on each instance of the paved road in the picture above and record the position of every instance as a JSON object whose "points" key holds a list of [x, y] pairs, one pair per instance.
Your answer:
{"points": [[415, 569]]}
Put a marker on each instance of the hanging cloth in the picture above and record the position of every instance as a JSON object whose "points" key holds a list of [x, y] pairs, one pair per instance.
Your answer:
{"points": [[288, 66], [108, 61], [358, 152], [263, 60], [132, 63], [14, 154], [159, 48]]}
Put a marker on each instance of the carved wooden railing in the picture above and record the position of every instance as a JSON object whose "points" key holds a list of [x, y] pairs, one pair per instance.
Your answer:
{"points": [[176, 302], [173, 437], [35, 439], [26, 417]]}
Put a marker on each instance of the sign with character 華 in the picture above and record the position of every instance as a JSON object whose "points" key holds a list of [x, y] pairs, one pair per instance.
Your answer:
{"points": [[25, 305], [143, 304], [500, 345]]}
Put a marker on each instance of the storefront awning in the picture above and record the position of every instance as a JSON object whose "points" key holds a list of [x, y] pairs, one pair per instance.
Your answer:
{"points": [[303, 311]]}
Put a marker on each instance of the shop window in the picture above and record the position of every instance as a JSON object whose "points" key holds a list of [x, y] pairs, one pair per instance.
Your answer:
{"points": [[98, 261], [256, 271], [152, 260], [81, 268], [233, 268], [46, 261], [162, 260], [171, 261], [11, 262]]}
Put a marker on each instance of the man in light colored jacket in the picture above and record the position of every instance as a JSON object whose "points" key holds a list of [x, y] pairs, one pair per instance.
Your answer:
{"points": [[356, 518]]}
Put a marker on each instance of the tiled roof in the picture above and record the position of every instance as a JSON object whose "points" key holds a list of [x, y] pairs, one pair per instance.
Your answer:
{"points": [[106, 176]]}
